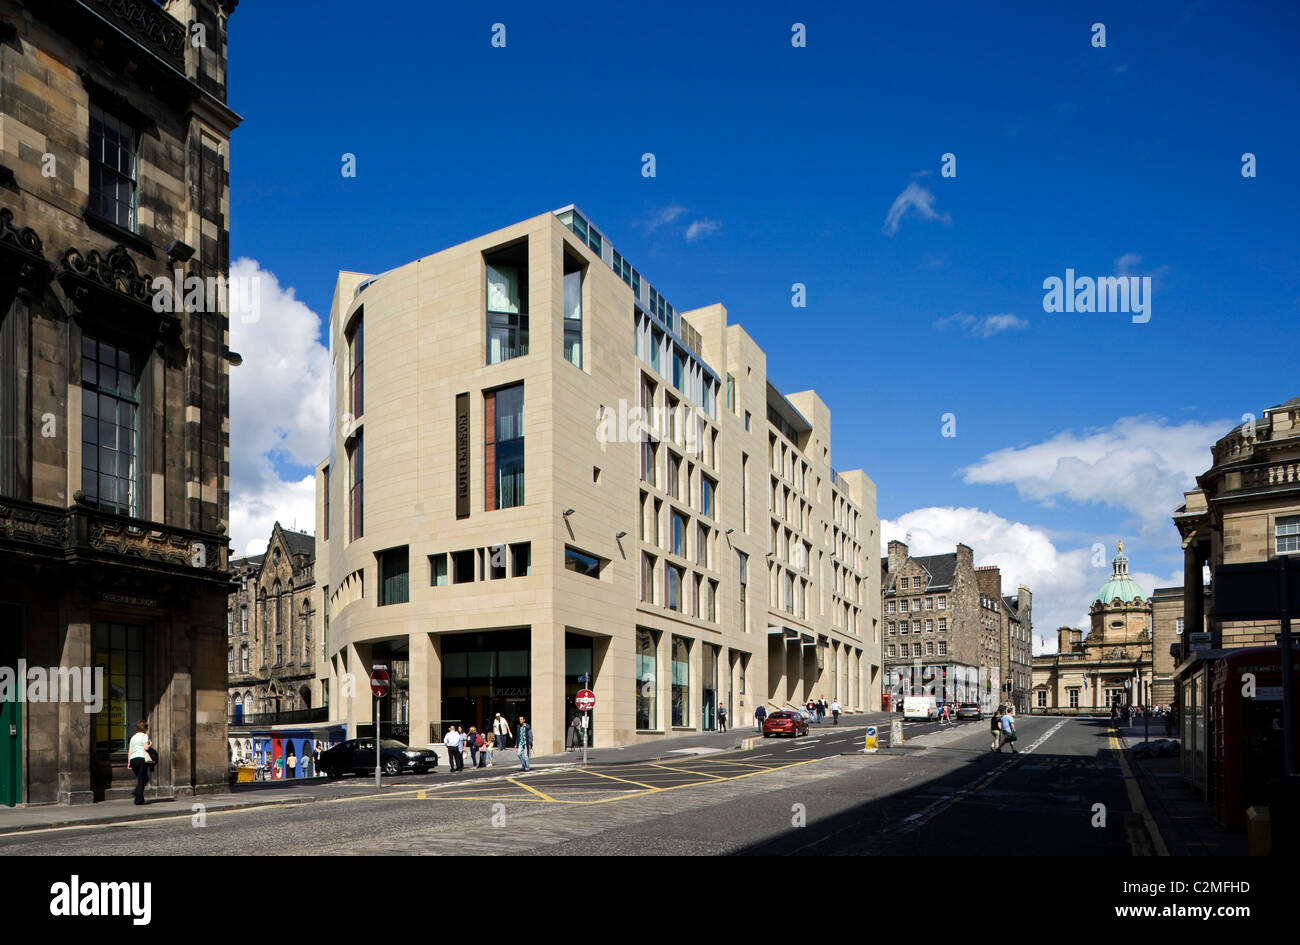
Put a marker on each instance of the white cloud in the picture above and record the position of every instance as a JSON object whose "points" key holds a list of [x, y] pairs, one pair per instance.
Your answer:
{"points": [[701, 228], [1062, 581], [279, 412], [662, 217], [982, 327], [1127, 263], [917, 198], [1141, 464]]}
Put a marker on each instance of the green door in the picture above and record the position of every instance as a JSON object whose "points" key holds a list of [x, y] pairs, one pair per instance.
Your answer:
{"points": [[11, 713]]}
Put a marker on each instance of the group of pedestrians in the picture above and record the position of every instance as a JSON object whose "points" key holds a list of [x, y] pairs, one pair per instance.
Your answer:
{"points": [[1003, 729], [482, 747], [820, 708]]}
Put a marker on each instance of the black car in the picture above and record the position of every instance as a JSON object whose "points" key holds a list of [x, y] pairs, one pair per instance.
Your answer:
{"points": [[357, 756]]}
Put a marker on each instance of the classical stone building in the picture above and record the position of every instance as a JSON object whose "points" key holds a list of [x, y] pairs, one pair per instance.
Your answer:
{"points": [[540, 471], [1112, 664], [944, 621], [1245, 508], [114, 142], [1170, 636], [1015, 625], [273, 648]]}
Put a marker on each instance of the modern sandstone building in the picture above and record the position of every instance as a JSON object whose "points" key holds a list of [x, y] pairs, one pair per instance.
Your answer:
{"points": [[114, 403], [540, 471]]}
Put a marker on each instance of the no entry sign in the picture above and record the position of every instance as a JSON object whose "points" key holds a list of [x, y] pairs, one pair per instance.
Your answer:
{"points": [[585, 700], [379, 683]]}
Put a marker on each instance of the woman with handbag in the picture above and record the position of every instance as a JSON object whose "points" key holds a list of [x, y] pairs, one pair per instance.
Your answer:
{"points": [[140, 756]]}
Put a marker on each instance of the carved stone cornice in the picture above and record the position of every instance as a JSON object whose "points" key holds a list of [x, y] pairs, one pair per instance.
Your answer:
{"points": [[148, 25], [112, 280], [23, 248], [85, 534]]}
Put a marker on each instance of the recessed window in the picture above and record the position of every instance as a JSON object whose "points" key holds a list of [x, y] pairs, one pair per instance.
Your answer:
{"points": [[438, 570], [1287, 533], [507, 303], [356, 524], [462, 567], [573, 270], [581, 562], [394, 575], [109, 426], [113, 163], [595, 474], [521, 559], [497, 562], [504, 449]]}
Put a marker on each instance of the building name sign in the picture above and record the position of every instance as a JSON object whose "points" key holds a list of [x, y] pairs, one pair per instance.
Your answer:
{"points": [[462, 455]]}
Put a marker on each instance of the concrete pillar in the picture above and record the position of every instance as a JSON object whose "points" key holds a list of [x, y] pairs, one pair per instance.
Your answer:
{"points": [[356, 686], [547, 671], [614, 669], [425, 684], [74, 736]]}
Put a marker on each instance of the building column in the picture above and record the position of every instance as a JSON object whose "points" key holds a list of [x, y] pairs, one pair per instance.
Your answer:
{"points": [[614, 671], [425, 683], [546, 644], [360, 708], [74, 737]]}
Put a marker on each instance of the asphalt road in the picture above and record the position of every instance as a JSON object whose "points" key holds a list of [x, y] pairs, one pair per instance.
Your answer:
{"points": [[943, 792]]}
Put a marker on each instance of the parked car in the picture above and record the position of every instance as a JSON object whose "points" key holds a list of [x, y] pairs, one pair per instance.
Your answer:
{"points": [[785, 722], [357, 756], [969, 710]]}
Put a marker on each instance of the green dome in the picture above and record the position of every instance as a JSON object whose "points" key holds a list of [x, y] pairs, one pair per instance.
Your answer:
{"points": [[1126, 589], [1120, 584]]}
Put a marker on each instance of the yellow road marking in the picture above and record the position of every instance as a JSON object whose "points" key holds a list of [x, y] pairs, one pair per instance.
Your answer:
{"points": [[688, 772], [1136, 800], [648, 787], [533, 790]]}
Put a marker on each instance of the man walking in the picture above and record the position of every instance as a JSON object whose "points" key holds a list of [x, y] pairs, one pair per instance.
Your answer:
{"points": [[835, 711], [524, 742], [759, 715], [1008, 734], [722, 718], [455, 761], [502, 729]]}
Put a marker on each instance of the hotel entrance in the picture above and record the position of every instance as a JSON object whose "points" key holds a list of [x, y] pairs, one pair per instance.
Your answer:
{"points": [[486, 673]]}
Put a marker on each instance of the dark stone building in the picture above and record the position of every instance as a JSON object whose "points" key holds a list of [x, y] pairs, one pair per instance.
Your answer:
{"points": [[114, 403], [272, 653], [941, 628]]}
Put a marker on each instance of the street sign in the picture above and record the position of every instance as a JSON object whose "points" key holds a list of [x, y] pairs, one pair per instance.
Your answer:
{"points": [[1197, 642], [871, 743], [379, 683], [1253, 591], [585, 700]]}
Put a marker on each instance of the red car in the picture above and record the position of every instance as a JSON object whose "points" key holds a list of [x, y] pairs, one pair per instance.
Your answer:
{"points": [[785, 723]]}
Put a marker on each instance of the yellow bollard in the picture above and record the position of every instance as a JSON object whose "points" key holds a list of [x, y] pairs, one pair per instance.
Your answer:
{"points": [[1259, 831]]}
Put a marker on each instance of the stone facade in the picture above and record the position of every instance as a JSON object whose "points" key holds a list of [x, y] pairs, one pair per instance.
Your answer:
{"points": [[273, 647], [540, 471], [952, 629], [114, 465], [1113, 664], [1246, 508]]}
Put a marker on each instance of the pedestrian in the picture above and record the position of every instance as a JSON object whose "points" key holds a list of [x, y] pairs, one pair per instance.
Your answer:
{"points": [[137, 758], [523, 742], [995, 728], [943, 716], [575, 733], [455, 761], [488, 748], [722, 718], [472, 743], [501, 728], [759, 715], [835, 711], [292, 765], [1008, 734]]}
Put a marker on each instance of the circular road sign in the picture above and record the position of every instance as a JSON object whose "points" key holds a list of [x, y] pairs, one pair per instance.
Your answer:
{"points": [[585, 700], [379, 683]]}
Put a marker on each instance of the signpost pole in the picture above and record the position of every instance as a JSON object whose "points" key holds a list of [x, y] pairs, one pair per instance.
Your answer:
{"points": [[586, 720], [377, 765]]}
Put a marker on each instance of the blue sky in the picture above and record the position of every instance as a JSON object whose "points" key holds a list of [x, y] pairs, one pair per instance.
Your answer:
{"points": [[1117, 160]]}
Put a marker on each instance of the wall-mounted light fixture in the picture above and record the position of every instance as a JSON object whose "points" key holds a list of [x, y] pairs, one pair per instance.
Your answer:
{"points": [[621, 535], [568, 512]]}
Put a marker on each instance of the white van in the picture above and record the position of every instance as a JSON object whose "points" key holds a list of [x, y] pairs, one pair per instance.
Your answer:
{"points": [[920, 707]]}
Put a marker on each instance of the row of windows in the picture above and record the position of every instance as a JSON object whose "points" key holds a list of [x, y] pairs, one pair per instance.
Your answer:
{"points": [[916, 626], [677, 588], [930, 649], [648, 685], [930, 603]]}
